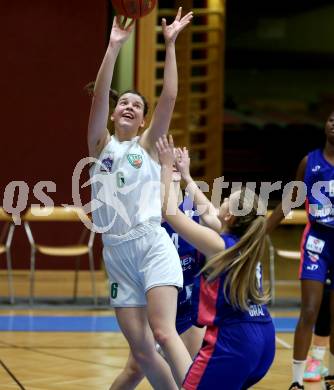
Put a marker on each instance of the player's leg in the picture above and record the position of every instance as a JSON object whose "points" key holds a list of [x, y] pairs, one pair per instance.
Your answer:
{"points": [[161, 309], [125, 264], [136, 329], [329, 380], [311, 296], [311, 291], [130, 376], [315, 368], [192, 339], [161, 274]]}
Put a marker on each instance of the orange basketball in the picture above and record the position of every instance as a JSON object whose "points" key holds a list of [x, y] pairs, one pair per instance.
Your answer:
{"points": [[133, 8]]}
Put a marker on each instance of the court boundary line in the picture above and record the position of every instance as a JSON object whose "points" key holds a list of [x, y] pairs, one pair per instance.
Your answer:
{"points": [[283, 343], [12, 375]]}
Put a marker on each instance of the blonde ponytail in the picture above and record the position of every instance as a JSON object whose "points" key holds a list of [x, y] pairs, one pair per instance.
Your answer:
{"points": [[240, 263]]}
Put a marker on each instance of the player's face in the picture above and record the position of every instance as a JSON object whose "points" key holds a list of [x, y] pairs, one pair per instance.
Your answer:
{"points": [[129, 112], [225, 215], [329, 128]]}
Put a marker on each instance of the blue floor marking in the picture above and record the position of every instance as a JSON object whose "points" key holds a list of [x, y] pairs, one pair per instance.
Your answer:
{"points": [[285, 324], [20, 323]]}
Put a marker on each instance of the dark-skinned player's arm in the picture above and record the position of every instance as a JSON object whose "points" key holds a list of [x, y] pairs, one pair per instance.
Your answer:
{"points": [[278, 214]]}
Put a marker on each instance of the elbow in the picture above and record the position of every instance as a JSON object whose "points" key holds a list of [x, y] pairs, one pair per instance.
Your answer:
{"points": [[173, 96], [169, 96]]}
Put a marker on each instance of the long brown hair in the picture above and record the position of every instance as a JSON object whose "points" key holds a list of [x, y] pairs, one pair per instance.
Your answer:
{"points": [[113, 95], [241, 260]]}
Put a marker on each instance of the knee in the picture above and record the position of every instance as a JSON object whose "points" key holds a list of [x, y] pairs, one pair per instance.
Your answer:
{"points": [[308, 316], [162, 335], [143, 357], [134, 373]]}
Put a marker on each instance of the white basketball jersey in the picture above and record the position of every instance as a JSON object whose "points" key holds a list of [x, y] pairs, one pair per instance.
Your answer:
{"points": [[125, 187]]}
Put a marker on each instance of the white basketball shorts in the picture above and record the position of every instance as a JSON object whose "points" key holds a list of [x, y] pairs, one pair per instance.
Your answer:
{"points": [[137, 264]]}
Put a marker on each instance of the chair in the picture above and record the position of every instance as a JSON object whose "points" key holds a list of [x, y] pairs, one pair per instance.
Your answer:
{"points": [[6, 237], [59, 214], [296, 218]]}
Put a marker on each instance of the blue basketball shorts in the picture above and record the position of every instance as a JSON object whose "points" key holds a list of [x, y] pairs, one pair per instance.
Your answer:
{"points": [[317, 254], [232, 357], [183, 323]]}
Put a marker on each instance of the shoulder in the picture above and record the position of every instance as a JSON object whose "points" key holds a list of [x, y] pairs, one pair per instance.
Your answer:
{"points": [[301, 170], [314, 153], [146, 143]]}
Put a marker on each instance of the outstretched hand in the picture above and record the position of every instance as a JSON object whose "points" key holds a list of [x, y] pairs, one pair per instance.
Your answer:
{"points": [[172, 30], [166, 150], [182, 162], [120, 31]]}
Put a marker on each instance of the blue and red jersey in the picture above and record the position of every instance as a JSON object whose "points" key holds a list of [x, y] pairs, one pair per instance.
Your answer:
{"points": [[319, 180], [212, 308]]}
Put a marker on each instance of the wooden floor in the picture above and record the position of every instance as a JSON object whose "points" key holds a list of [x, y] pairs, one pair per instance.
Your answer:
{"points": [[73, 361]]}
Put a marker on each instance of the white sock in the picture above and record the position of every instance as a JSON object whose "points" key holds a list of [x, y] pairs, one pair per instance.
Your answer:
{"points": [[331, 364], [298, 368], [318, 352]]}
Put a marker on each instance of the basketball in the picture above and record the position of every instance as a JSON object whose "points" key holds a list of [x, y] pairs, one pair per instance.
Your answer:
{"points": [[133, 8]]}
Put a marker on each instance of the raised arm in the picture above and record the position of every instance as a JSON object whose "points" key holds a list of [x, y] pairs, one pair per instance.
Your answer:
{"points": [[278, 214], [98, 135], [208, 212], [163, 112], [204, 239]]}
